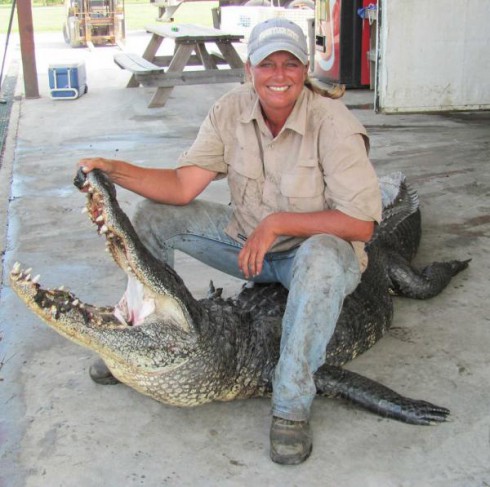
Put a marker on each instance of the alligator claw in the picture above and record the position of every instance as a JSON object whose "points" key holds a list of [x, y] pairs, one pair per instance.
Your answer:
{"points": [[412, 411]]}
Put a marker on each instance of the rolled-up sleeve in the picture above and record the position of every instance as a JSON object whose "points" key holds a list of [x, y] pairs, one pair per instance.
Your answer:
{"points": [[207, 151], [351, 184]]}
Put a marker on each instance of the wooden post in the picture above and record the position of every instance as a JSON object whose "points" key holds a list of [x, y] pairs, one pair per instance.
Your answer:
{"points": [[27, 49]]}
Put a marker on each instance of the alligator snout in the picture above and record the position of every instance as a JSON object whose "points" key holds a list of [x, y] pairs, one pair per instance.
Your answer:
{"points": [[80, 179]]}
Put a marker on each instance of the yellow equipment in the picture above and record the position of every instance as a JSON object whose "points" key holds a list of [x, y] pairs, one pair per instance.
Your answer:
{"points": [[90, 22]]}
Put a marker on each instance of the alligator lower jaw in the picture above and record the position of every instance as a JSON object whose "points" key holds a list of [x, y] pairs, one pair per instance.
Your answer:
{"points": [[69, 315], [57, 306]]}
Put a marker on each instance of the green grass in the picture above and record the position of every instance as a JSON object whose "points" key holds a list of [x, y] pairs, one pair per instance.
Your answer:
{"points": [[50, 19]]}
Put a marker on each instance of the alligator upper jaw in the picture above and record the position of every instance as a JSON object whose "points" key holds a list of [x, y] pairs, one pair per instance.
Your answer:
{"points": [[152, 284]]}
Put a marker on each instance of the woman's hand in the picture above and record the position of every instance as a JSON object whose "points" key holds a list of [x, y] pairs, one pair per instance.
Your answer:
{"points": [[108, 166], [251, 257]]}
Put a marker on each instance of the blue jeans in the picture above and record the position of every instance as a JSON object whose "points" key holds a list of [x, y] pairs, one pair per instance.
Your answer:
{"points": [[319, 274]]}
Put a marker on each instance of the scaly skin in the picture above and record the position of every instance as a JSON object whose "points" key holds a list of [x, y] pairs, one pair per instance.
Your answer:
{"points": [[186, 352]]}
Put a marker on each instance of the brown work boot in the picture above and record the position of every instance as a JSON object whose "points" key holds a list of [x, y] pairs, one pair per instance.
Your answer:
{"points": [[100, 373], [291, 441]]}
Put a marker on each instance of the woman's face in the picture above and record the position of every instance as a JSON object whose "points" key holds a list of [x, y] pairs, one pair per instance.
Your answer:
{"points": [[278, 80]]}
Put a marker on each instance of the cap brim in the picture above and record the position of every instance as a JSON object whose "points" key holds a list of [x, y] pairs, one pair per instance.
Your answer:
{"points": [[262, 52]]}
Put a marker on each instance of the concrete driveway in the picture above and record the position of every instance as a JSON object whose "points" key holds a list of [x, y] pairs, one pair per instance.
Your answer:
{"points": [[58, 428]]}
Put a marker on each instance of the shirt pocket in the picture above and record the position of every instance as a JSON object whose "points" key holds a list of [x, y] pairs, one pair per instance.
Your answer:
{"points": [[304, 187], [244, 175]]}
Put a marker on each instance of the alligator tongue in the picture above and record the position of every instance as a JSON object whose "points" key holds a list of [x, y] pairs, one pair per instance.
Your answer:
{"points": [[134, 307]]}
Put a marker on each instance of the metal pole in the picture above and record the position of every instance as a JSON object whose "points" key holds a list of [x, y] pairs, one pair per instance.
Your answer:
{"points": [[9, 30], [27, 49]]}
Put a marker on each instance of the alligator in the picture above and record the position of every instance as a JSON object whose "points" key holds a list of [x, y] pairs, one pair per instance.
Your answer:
{"points": [[183, 351]]}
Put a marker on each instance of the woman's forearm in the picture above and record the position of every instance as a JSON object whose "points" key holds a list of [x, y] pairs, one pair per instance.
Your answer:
{"points": [[170, 186], [331, 222]]}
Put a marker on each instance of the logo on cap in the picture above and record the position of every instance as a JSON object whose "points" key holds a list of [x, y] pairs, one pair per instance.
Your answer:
{"points": [[274, 31]]}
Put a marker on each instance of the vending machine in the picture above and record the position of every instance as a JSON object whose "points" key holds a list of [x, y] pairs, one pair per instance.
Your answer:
{"points": [[342, 42]]}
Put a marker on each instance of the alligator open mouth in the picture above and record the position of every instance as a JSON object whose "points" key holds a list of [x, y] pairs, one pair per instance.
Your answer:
{"points": [[153, 287], [154, 291]]}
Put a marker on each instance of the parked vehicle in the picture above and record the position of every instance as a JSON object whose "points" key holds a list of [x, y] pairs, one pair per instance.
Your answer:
{"points": [[93, 22]]}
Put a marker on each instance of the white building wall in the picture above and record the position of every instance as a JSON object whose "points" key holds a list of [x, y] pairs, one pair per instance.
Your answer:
{"points": [[434, 55]]}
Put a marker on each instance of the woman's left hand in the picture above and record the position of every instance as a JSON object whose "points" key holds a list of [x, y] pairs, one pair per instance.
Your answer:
{"points": [[251, 257]]}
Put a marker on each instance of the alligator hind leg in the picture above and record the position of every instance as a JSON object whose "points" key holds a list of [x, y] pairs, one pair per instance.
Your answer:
{"points": [[336, 382], [407, 281]]}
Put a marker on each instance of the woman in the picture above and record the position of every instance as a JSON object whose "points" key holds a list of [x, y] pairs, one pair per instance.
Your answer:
{"points": [[303, 192]]}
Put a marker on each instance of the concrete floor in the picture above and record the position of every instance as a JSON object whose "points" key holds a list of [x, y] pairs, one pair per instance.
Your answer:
{"points": [[57, 428]]}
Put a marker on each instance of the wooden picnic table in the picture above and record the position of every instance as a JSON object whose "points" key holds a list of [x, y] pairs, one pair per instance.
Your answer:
{"points": [[191, 63]]}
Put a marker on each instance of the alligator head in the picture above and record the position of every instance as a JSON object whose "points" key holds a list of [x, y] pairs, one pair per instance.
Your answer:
{"points": [[156, 326]]}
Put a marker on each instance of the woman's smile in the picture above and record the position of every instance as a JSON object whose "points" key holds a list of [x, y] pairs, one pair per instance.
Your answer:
{"points": [[279, 88]]}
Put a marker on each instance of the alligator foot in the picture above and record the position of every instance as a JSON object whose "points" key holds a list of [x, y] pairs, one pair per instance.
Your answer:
{"points": [[336, 382], [410, 283]]}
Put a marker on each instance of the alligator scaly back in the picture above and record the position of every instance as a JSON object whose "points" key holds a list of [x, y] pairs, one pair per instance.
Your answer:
{"points": [[185, 352]]}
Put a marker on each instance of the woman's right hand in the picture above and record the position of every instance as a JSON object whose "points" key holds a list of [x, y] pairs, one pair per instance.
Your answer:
{"points": [[108, 166]]}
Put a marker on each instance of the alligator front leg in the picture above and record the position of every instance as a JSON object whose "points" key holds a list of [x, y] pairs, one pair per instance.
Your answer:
{"points": [[336, 382]]}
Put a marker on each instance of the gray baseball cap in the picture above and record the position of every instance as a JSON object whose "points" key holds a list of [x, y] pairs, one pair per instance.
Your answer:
{"points": [[277, 34]]}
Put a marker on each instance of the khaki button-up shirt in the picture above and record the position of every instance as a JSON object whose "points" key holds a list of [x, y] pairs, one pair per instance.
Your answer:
{"points": [[318, 161]]}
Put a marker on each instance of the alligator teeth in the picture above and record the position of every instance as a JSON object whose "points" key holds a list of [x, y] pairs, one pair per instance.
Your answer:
{"points": [[16, 268], [28, 271], [76, 302], [85, 184], [36, 279], [104, 229], [61, 288], [28, 277], [100, 219]]}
